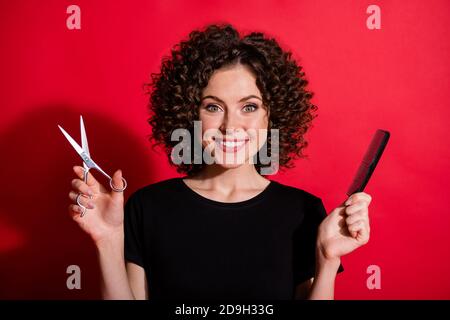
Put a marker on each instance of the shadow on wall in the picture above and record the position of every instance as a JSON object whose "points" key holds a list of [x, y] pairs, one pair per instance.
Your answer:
{"points": [[38, 238]]}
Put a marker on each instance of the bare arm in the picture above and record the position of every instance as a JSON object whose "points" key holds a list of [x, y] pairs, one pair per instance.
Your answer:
{"points": [[115, 284], [322, 287], [319, 288], [345, 229], [120, 280], [137, 281]]}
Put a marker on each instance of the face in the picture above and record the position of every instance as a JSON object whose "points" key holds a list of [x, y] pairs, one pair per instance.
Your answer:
{"points": [[234, 119]]}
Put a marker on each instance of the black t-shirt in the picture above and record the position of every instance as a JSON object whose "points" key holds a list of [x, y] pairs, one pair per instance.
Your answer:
{"points": [[193, 247]]}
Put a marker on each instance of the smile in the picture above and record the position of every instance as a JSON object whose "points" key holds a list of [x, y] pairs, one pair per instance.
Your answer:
{"points": [[232, 145]]}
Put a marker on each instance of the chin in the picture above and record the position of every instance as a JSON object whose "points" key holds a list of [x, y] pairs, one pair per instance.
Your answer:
{"points": [[229, 165], [232, 163]]}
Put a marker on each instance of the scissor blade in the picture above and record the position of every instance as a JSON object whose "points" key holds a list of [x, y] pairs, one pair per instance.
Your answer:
{"points": [[75, 145], [84, 142]]}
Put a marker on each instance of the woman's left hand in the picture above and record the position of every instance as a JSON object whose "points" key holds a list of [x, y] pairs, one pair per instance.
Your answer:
{"points": [[346, 228]]}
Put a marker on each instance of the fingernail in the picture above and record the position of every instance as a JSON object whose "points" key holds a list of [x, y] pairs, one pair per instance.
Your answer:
{"points": [[349, 201], [90, 193], [91, 205]]}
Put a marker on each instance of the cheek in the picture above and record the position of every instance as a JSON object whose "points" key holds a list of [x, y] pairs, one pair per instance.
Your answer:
{"points": [[210, 124], [210, 121], [259, 120], [257, 127]]}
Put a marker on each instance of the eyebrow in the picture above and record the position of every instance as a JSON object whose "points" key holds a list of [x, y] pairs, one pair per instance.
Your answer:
{"points": [[221, 101]]}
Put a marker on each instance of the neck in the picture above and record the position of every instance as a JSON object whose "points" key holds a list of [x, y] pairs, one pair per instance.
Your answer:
{"points": [[242, 177]]}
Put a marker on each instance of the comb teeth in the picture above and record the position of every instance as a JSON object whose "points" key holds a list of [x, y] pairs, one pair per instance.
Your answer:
{"points": [[369, 161]]}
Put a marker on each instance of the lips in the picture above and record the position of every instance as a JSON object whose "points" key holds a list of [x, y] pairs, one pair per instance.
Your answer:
{"points": [[231, 145]]}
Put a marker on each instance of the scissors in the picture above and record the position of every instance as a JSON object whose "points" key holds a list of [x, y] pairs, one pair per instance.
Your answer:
{"points": [[88, 163]]}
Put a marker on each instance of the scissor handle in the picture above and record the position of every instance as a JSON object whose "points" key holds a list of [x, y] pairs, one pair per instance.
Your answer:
{"points": [[118, 189], [86, 172], [84, 209]]}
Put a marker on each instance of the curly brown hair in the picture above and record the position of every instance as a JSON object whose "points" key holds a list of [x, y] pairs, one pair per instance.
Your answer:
{"points": [[176, 92]]}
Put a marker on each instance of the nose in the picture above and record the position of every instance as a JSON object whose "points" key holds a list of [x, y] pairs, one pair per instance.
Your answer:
{"points": [[230, 123]]}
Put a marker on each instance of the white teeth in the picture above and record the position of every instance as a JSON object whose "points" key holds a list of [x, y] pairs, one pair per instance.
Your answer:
{"points": [[232, 144]]}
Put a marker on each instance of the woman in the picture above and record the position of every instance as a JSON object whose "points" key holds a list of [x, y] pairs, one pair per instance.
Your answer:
{"points": [[224, 230]]}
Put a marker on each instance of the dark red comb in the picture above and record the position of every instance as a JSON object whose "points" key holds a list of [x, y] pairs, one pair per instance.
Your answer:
{"points": [[369, 162]]}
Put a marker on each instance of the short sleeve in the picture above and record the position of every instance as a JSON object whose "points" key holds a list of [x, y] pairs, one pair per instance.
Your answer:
{"points": [[133, 246], [304, 246]]}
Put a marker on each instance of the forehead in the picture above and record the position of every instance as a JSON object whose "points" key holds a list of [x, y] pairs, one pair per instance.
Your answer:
{"points": [[232, 82]]}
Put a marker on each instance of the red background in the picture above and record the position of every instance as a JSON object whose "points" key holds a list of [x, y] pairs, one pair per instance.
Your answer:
{"points": [[396, 79]]}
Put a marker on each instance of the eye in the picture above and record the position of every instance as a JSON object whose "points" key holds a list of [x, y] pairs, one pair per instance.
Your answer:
{"points": [[250, 108], [212, 108]]}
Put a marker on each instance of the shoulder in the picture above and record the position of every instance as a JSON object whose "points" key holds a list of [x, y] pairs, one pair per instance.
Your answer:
{"points": [[302, 203], [287, 192], [159, 188], [308, 207], [155, 196], [304, 206]]}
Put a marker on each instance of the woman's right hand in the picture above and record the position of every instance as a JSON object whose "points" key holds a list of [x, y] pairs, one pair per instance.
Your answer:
{"points": [[103, 219]]}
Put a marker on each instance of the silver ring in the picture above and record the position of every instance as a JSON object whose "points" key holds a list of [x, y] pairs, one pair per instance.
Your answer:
{"points": [[80, 205], [118, 189]]}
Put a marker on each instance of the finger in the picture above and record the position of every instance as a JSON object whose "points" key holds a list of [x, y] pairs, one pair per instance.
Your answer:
{"points": [[81, 187], [79, 171], [338, 211], [91, 181], [117, 183], [359, 230], [359, 206], [83, 200], [75, 210], [356, 217], [358, 196], [75, 213], [363, 233], [354, 228], [367, 196]]}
